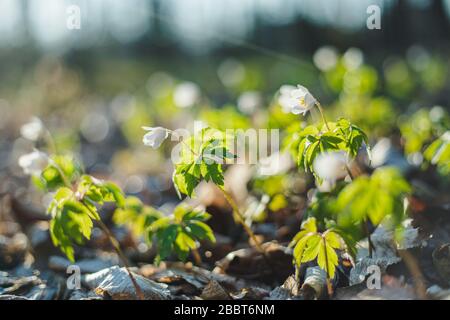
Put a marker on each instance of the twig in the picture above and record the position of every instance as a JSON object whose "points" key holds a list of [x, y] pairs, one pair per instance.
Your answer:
{"points": [[197, 257]]}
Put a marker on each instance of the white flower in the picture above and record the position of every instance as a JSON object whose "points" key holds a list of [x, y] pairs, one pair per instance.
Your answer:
{"points": [[331, 166], [34, 163], [32, 130], [284, 99], [155, 136], [186, 94], [297, 100]]}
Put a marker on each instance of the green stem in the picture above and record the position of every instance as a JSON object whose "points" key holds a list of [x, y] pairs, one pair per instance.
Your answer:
{"points": [[319, 106], [365, 222], [240, 217], [50, 142], [329, 285]]}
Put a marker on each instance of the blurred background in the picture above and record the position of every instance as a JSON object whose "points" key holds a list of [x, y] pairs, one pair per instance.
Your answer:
{"points": [[155, 62]]}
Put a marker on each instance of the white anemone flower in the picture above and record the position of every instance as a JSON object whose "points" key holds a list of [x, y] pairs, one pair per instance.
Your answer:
{"points": [[155, 136], [32, 130], [34, 163], [284, 99], [331, 166], [186, 95], [297, 100]]}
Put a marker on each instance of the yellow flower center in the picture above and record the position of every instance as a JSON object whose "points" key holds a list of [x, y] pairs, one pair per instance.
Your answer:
{"points": [[302, 101]]}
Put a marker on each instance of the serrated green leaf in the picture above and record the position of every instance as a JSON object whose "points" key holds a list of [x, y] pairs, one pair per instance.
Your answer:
{"points": [[166, 239], [136, 215], [373, 198], [114, 194], [300, 247], [185, 183], [312, 248], [184, 242], [333, 239], [327, 258], [201, 231]]}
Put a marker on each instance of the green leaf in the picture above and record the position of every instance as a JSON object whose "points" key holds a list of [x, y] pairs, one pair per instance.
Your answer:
{"points": [[333, 239], [307, 144], [310, 245], [374, 198], [114, 194], [136, 215], [179, 232], [98, 191], [51, 178], [201, 231], [312, 151], [327, 258], [308, 226], [185, 242], [185, 183], [214, 173], [312, 248], [71, 221], [211, 151], [300, 247], [438, 153], [166, 239]]}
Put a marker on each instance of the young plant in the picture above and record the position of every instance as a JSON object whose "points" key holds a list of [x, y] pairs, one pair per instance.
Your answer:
{"points": [[373, 198], [77, 197], [310, 244], [74, 209], [314, 140], [180, 233], [325, 150], [135, 215], [201, 158]]}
